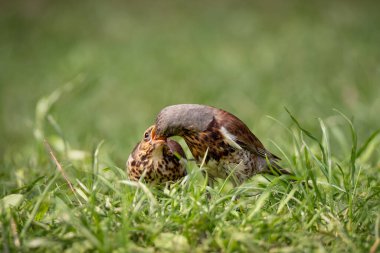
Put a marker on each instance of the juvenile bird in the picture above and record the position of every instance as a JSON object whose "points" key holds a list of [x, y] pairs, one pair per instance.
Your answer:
{"points": [[160, 161], [223, 140]]}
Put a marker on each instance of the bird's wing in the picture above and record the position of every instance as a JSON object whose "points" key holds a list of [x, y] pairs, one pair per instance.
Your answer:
{"points": [[239, 136], [230, 138]]}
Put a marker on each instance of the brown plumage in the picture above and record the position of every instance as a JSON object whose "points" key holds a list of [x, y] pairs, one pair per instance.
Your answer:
{"points": [[228, 142], [160, 161]]}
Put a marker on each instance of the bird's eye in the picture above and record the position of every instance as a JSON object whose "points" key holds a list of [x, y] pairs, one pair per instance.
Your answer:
{"points": [[146, 136]]}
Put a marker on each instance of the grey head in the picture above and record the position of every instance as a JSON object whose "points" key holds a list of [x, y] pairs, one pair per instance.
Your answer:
{"points": [[174, 119]]}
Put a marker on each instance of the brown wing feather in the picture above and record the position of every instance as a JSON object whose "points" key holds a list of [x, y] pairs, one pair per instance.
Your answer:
{"points": [[244, 137]]}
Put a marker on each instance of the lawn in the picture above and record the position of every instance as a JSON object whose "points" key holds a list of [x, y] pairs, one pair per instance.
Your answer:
{"points": [[81, 81]]}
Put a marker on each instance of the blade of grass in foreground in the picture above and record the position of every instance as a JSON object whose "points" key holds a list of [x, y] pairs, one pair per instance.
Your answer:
{"points": [[37, 205], [309, 134]]}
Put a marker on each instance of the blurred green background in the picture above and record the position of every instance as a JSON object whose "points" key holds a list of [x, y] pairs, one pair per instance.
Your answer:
{"points": [[127, 60]]}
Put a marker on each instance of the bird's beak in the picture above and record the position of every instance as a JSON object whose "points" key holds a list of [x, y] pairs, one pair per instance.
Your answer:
{"points": [[156, 139]]}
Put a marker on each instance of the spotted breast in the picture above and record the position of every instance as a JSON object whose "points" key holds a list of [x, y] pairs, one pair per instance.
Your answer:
{"points": [[156, 161]]}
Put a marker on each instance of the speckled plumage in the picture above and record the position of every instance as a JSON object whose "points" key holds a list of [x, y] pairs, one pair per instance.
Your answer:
{"points": [[230, 145], [160, 161]]}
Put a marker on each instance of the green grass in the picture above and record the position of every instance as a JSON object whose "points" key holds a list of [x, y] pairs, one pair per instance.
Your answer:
{"points": [[89, 78], [337, 210]]}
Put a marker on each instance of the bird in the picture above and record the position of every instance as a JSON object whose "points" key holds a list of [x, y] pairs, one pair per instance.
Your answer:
{"points": [[156, 161], [218, 140]]}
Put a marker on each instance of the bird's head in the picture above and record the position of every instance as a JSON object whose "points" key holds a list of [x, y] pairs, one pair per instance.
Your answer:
{"points": [[148, 146], [157, 146], [176, 120]]}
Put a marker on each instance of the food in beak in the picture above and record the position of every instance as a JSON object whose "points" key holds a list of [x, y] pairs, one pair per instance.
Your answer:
{"points": [[154, 137]]}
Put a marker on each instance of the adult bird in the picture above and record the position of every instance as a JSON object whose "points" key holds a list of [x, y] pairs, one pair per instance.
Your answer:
{"points": [[225, 144], [158, 161]]}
